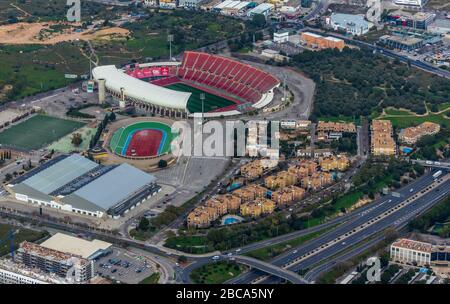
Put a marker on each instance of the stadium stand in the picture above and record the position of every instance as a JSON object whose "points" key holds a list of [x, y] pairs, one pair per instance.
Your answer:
{"points": [[232, 77]]}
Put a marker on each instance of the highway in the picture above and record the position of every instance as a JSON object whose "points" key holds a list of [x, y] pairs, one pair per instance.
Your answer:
{"points": [[350, 233]]}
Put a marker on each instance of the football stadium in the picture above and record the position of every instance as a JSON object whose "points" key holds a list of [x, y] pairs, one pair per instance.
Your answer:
{"points": [[142, 140], [216, 85]]}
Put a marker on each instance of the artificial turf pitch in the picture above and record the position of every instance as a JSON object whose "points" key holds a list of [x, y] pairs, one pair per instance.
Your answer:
{"points": [[212, 102], [37, 132]]}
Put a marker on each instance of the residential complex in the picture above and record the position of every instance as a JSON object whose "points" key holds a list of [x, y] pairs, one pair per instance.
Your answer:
{"points": [[382, 142], [257, 207], [413, 134], [333, 130], [340, 163]]}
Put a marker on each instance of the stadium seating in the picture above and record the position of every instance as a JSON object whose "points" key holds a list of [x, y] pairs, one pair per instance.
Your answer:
{"points": [[232, 77]]}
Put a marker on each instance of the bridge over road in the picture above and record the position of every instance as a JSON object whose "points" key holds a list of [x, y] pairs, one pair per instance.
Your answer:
{"points": [[430, 163], [271, 269]]}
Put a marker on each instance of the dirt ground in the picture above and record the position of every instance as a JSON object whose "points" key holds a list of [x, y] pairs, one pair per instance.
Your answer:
{"points": [[29, 33]]}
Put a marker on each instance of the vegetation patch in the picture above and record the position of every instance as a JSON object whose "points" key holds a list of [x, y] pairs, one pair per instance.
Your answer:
{"points": [[216, 273]]}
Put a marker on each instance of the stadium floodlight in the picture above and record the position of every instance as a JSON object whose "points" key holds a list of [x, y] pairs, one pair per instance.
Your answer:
{"points": [[170, 40]]}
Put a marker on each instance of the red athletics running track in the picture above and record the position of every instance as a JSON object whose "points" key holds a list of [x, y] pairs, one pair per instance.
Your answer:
{"points": [[145, 143]]}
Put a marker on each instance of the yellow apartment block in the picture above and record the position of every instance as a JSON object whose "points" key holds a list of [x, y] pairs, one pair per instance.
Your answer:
{"points": [[324, 126], [280, 180], [252, 170], [413, 134], [220, 207], [382, 142], [199, 218], [332, 163], [257, 207], [317, 180], [233, 202]]}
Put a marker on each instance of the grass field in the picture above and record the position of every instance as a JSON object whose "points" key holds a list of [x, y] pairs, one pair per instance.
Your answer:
{"points": [[120, 137], [403, 119], [216, 273], [20, 235], [153, 279], [37, 132], [212, 102]]}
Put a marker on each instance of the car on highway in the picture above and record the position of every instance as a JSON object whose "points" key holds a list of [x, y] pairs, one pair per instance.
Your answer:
{"points": [[238, 250], [216, 257]]}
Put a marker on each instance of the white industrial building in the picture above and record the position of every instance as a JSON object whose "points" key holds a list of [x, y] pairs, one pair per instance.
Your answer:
{"points": [[419, 3], [352, 24], [411, 252], [231, 7], [262, 9], [78, 185]]}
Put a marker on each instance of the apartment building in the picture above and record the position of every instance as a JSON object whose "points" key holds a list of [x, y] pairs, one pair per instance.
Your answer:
{"points": [[220, 207], [257, 207], [252, 170], [233, 202], [413, 134], [61, 264], [382, 142], [202, 217], [316, 180], [304, 168], [280, 180], [287, 195], [329, 126], [332, 163]]}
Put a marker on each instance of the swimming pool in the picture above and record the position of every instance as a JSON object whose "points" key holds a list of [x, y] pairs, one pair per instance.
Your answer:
{"points": [[231, 219]]}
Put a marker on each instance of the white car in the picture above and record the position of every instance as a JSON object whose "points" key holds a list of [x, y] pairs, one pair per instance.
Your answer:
{"points": [[238, 250], [216, 257]]}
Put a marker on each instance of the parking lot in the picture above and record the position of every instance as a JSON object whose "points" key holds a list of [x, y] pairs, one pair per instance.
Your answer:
{"points": [[124, 266]]}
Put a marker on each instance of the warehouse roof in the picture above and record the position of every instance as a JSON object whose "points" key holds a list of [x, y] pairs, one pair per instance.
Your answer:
{"points": [[112, 187], [116, 79], [75, 246], [60, 173], [349, 20]]}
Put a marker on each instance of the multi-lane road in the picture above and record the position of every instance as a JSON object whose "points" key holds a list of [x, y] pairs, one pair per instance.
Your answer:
{"points": [[362, 225]]}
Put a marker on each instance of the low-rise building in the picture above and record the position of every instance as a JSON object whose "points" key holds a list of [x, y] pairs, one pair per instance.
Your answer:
{"points": [[220, 207], [201, 217], [252, 169], [257, 208], [330, 126], [233, 202], [351, 24], [332, 163], [411, 252], [316, 41], [382, 142], [413, 134], [317, 180], [314, 153], [287, 195], [280, 180], [281, 37]]}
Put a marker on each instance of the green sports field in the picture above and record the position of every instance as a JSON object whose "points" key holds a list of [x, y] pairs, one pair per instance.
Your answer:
{"points": [[120, 136], [37, 132], [212, 102]]}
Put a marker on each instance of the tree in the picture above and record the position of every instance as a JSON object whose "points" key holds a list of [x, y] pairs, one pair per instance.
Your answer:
{"points": [[162, 163], [259, 20], [77, 139], [144, 224], [8, 177], [112, 116], [182, 259]]}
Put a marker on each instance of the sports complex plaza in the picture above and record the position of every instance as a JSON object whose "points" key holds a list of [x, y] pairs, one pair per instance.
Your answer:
{"points": [[76, 184], [176, 89]]}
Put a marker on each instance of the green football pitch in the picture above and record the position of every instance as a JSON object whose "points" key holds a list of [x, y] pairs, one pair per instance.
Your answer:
{"points": [[212, 102], [37, 132]]}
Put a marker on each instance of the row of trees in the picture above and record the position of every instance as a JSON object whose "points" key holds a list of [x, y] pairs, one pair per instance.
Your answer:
{"points": [[101, 126]]}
